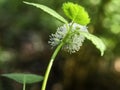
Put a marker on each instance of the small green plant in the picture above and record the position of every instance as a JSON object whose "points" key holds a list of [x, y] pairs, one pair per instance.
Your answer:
{"points": [[68, 37], [24, 78]]}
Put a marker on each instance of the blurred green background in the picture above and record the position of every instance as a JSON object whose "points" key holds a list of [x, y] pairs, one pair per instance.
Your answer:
{"points": [[24, 35]]}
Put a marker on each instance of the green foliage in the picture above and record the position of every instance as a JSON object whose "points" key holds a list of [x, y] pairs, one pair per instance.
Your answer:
{"points": [[76, 13], [48, 10], [112, 19], [96, 41], [21, 78]]}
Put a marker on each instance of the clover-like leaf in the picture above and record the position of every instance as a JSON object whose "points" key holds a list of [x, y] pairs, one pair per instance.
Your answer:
{"points": [[96, 41], [21, 77], [76, 13], [47, 10]]}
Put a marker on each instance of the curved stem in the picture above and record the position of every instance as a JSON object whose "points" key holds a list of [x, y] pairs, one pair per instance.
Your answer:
{"points": [[50, 65]]}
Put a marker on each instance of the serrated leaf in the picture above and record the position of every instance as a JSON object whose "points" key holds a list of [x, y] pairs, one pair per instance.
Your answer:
{"points": [[96, 41], [20, 77], [76, 13], [47, 10]]}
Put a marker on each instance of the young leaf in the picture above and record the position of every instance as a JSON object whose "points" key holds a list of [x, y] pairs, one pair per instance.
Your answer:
{"points": [[47, 10], [96, 41], [76, 13], [20, 77]]}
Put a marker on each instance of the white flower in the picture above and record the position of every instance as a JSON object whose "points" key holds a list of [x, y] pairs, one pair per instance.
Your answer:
{"points": [[72, 39]]}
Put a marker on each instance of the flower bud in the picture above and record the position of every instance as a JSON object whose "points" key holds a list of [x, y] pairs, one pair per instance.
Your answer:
{"points": [[71, 38]]}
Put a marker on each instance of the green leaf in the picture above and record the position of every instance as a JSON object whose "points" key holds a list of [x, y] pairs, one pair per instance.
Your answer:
{"points": [[96, 41], [47, 10], [20, 77], [76, 13]]}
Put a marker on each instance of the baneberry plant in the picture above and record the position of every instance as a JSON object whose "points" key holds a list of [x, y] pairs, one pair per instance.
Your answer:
{"points": [[71, 35]]}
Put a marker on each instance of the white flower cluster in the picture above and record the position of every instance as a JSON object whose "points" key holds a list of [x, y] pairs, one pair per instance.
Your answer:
{"points": [[72, 41]]}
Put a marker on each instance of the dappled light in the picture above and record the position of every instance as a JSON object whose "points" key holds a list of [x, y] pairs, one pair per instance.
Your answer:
{"points": [[85, 32]]}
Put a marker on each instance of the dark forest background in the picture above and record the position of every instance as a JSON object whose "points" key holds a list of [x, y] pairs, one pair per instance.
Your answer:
{"points": [[24, 35]]}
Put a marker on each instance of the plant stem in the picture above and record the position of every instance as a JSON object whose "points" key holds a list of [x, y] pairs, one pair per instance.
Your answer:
{"points": [[50, 65], [24, 83]]}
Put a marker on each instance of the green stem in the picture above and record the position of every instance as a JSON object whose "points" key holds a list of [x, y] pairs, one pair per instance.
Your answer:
{"points": [[50, 66], [24, 82]]}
